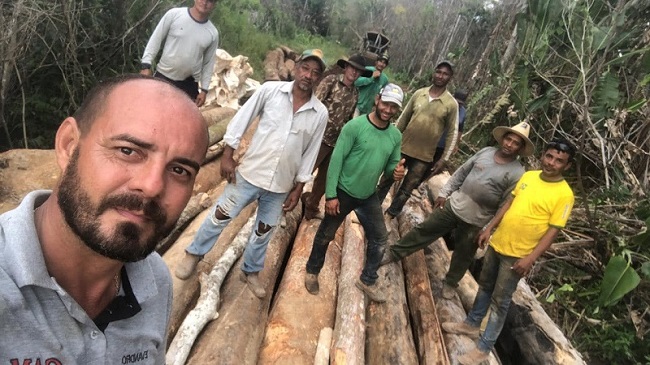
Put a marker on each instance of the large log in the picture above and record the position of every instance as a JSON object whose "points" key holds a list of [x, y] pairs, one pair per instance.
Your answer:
{"points": [[437, 264], [235, 338], [349, 327], [213, 116], [207, 305], [424, 317], [389, 337], [272, 63], [297, 317]]}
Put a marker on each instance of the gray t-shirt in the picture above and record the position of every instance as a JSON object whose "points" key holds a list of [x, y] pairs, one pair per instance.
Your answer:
{"points": [[480, 185], [189, 48], [41, 323]]}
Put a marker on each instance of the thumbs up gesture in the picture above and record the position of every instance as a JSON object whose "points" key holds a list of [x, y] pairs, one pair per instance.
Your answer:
{"points": [[400, 170]]}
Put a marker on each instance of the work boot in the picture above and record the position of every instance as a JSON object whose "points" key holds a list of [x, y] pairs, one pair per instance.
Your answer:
{"points": [[372, 291], [253, 281], [448, 291], [311, 283], [473, 357], [187, 266], [461, 328]]}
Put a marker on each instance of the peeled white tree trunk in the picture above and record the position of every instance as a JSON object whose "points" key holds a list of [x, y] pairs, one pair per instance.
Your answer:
{"points": [[206, 308], [350, 325]]}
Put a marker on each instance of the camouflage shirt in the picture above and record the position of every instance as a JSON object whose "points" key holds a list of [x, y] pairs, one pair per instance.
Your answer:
{"points": [[340, 101]]}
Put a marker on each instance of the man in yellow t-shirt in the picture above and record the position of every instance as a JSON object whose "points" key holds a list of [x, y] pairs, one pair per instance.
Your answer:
{"points": [[526, 226]]}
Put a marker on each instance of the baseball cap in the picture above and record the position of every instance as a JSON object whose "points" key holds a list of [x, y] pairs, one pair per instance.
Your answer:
{"points": [[447, 63], [392, 93], [317, 55]]}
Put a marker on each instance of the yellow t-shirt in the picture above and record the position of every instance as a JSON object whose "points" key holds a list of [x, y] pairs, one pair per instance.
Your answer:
{"points": [[537, 205]]}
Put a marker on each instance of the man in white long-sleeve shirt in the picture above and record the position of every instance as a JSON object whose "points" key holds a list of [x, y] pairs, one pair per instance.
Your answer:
{"points": [[191, 41], [274, 169]]}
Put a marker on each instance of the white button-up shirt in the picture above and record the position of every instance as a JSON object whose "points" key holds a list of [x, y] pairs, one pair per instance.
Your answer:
{"points": [[284, 147]]}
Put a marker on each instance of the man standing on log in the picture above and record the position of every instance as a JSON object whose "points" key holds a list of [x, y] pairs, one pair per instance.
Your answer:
{"points": [[367, 147], [430, 112], [188, 56], [526, 226], [79, 281], [369, 85], [274, 169], [468, 201], [338, 94]]}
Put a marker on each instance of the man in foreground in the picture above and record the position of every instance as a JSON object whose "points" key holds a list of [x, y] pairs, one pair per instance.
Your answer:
{"points": [[191, 41], [274, 169], [526, 226], [367, 147], [469, 200], [430, 112], [79, 283], [338, 94]]}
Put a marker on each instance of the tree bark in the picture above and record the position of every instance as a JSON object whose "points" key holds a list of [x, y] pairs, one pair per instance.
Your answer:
{"points": [[389, 337], [235, 338], [323, 347], [349, 327], [429, 340], [296, 316]]}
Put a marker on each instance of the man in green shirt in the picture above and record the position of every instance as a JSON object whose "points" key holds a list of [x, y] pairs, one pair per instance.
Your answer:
{"points": [[370, 86], [367, 147]]}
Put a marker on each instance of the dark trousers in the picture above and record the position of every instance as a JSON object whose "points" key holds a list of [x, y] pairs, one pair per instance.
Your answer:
{"points": [[371, 218], [189, 86], [318, 188], [418, 170]]}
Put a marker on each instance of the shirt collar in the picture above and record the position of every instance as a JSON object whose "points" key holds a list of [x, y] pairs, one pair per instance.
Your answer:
{"points": [[311, 104]]}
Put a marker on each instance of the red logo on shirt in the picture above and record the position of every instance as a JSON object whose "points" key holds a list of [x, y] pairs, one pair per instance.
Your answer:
{"points": [[37, 361]]}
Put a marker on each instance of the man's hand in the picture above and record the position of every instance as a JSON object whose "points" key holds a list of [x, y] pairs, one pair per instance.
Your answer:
{"points": [[228, 165], [439, 202], [483, 238], [400, 170], [437, 168], [146, 72], [376, 74], [200, 99], [522, 266], [332, 207], [292, 200]]}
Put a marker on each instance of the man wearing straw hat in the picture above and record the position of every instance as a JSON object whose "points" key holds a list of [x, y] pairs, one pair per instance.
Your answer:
{"points": [[338, 94], [469, 200]]}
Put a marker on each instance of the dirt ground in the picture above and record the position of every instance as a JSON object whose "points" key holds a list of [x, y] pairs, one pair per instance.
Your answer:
{"points": [[22, 171]]}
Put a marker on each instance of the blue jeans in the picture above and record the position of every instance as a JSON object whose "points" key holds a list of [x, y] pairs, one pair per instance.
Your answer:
{"points": [[371, 218], [235, 198], [497, 283]]}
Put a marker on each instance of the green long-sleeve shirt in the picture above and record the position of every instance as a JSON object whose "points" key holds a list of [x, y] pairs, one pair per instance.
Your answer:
{"points": [[362, 153], [368, 88]]}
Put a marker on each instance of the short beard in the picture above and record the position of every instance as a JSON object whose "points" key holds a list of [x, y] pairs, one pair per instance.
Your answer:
{"points": [[125, 242]]}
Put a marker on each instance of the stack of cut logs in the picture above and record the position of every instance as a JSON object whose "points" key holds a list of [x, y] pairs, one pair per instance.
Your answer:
{"points": [[279, 63], [216, 319]]}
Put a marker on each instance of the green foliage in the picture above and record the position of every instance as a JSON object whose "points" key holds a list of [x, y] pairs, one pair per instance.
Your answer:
{"points": [[564, 288], [606, 96], [620, 278]]}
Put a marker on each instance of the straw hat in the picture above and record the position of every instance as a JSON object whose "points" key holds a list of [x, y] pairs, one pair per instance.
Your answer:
{"points": [[522, 130]]}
